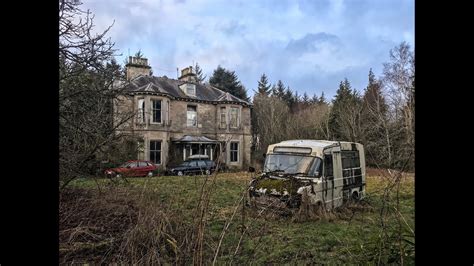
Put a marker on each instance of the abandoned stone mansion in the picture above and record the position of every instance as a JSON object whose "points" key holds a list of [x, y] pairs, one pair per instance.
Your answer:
{"points": [[176, 118]]}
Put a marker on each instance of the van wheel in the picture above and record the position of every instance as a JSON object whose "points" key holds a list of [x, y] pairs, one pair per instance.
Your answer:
{"points": [[150, 174], [180, 173], [208, 172]]}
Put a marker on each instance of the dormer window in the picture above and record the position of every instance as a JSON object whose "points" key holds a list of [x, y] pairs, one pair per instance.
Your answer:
{"points": [[191, 89]]}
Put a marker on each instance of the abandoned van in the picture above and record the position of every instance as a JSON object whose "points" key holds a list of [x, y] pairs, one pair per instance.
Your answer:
{"points": [[316, 172]]}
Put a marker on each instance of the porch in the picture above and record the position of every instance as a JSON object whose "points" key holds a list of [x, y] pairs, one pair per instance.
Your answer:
{"points": [[182, 148]]}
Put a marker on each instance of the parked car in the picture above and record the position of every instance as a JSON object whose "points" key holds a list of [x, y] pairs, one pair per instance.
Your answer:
{"points": [[195, 164], [132, 168]]}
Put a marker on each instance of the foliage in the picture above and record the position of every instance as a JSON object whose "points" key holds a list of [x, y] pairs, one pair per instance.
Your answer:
{"points": [[228, 81]]}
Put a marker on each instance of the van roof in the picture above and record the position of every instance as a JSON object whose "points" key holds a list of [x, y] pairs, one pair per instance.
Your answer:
{"points": [[317, 146]]}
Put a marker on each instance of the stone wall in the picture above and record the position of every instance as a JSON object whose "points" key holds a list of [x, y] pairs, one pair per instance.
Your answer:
{"points": [[174, 126]]}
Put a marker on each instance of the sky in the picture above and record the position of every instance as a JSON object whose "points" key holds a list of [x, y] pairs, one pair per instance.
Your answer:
{"points": [[311, 45]]}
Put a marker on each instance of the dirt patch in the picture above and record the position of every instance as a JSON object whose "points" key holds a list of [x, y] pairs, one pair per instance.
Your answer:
{"points": [[91, 224]]}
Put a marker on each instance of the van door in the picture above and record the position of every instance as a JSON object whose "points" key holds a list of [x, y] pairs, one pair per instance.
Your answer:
{"points": [[338, 184], [328, 180]]}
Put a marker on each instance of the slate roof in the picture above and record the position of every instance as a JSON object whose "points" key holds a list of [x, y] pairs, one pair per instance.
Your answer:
{"points": [[170, 87]]}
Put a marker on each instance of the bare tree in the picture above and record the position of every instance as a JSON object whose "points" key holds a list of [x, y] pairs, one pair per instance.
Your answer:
{"points": [[89, 82], [399, 82]]}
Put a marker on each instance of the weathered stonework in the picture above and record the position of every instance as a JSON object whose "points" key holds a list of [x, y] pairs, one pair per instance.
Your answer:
{"points": [[173, 125]]}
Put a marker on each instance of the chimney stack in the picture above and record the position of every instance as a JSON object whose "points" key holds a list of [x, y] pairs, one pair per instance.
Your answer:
{"points": [[137, 66], [188, 75]]}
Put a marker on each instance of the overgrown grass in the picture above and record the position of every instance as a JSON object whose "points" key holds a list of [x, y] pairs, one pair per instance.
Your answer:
{"points": [[252, 239]]}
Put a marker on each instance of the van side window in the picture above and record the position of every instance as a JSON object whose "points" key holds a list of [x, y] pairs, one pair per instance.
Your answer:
{"points": [[350, 159], [316, 168], [328, 170]]}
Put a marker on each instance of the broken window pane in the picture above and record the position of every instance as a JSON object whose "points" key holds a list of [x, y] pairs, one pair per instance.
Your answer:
{"points": [[234, 113], [223, 118], [141, 111], [191, 116]]}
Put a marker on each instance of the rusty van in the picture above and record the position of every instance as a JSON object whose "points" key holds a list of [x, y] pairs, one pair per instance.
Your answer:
{"points": [[321, 173]]}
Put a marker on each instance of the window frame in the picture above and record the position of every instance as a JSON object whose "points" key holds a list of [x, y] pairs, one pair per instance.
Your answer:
{"points": [[196, 116], [160, 151], [353, 157], [325, 167], [188, 86], [153, 109], [237, 117], [141, 116], [234, 151], [223, 122]]}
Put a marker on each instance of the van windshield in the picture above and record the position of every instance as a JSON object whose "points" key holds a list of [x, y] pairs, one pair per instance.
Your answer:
{"points": [[288, 163]]}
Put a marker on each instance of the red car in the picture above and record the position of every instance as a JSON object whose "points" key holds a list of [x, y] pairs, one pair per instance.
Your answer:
{"points": [[132, 168]]}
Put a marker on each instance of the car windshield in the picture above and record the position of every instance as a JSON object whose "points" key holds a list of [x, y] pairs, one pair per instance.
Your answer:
{"points": [[288, 163], [124, 165], [185, 163]]}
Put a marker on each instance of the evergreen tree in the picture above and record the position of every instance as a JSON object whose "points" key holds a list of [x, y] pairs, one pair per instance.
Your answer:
{"points": [[228, 81], [344, 121], [296, 98], [305, 99], [322, 99], [314, 99], [373, 97], [375, 123], [199, 75], [288, 97], [263, 86], [279, 90]]}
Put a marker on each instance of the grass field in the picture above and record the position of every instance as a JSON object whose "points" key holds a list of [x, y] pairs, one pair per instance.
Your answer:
{"points": [[351, 235]]}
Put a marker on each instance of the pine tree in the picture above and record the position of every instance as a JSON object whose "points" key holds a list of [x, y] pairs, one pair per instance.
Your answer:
{"points": [[305, 99], [314, 99], [373, 97], [322, 99], [263, 87], [296, 98], [279, 90], [200, 76], [228, 81], [345, 117]]}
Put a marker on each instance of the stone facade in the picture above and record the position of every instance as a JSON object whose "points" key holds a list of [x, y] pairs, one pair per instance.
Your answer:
{"points": [[231, 141]]}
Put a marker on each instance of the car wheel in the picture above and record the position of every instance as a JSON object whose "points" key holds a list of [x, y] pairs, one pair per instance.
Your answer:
{"points": [[208, 172], [118, 175], [150, 174], [180, 173], [355, 196]]}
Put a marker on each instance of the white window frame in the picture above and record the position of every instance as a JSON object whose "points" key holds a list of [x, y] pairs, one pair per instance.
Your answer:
{"points": [[188, 86], [225, 117], [152, 111], [238, 152], [237, 118], [187, 120], [141, 117]]}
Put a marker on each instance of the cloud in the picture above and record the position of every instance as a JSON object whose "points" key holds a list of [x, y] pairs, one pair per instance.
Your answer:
{"points": [[309, 45], [313, 43]]}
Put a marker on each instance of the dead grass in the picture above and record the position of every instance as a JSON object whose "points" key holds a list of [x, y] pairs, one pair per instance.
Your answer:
{"points": [[153, 221]]}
